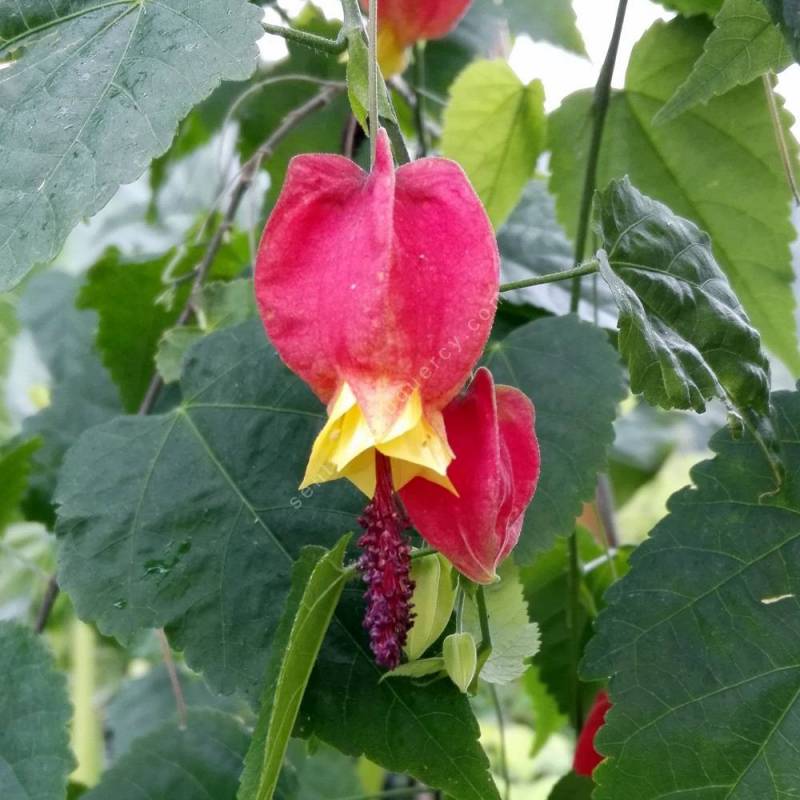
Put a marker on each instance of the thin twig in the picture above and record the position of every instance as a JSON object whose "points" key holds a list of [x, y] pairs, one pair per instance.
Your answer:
{"points": [[246, 176], [602, 97], [372, 74], [50, 595], [605, 510], [169, 662], [419, 98], [501, 727], [551, 277], [780, 137]]}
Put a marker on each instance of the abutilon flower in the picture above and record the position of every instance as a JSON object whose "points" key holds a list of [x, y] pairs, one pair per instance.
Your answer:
{"points": [[495, 472], [586, 757], [379, 291], [403, 22]]}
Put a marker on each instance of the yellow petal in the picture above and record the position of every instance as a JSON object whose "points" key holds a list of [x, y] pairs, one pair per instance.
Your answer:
{"points": [[346, 446]]}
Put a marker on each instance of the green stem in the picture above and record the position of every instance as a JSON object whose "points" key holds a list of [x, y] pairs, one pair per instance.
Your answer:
{"points": [[551, 277], [780, 137], [483, 618], [602, 97], [332, 46], [419, 98], [573, 608], [372, 76], [501, 727], [86, 735]]}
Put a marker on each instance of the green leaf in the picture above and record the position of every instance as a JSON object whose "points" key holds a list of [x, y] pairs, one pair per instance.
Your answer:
{"points": [[547, 717], [745, 44], [494, 126], [324, 773], [92, 93], [417, 669], [683, 333], [317, 581], [210, 557], [702, 638], [15, 464], [547, 20], [219, 305], [677, 164], [690, 8], [130, 321], [515, 639], [532, 242], [575, 380], [785, 15], [82, 393], [142, 705], [27, 560], [204, 760], [572, 787], [35, 758]]}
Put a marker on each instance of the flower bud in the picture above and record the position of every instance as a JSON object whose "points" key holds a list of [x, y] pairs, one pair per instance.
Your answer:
{"points": [[460, 659], [433, 601]]}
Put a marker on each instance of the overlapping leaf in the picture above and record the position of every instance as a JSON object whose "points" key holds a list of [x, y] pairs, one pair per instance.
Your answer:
{"points": [[494, 126], [202, 760], [198, 521], [683, 332], [317, 582], [680, 164], [786, 14], [91, 94], [35, 758], [575, 380], [744, 45], [702, 637]]}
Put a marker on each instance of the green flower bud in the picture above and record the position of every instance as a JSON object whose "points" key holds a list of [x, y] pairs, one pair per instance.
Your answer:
{"points": [[460, 659], [433, 600]]}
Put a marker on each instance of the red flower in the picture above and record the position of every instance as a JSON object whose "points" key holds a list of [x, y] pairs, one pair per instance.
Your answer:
{"points": [[379, 291], [495, 472], [586, 757], [403, 22]]}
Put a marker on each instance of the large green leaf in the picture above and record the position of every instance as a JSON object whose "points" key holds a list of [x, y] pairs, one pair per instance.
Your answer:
{"points": [[144, 704], [35, 758], [8, 330], [93, 92], [702, 638], [572, 787], [198, 519], [202, 761], [82, 392], [683, 332], [575, 380], [494, 126], [745, 44], [317, 582], [690, 8], [678, 164]]}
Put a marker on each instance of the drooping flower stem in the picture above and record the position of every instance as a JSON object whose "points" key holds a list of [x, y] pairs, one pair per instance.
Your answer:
{"points": [[385, 567]]}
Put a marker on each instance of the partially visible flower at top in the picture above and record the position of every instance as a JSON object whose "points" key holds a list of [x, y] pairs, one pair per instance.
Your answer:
{"points": [[379, 291], [495, 472], [586, 756], [403, 22]]}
